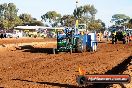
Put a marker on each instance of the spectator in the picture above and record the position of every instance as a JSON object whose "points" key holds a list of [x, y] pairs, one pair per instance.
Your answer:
{"points": [[4, 35], [127, 37], [100, 36], [1, 36]]}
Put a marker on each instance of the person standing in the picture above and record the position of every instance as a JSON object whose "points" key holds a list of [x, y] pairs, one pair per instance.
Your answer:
{"points": [[100, 36], [124, 37], [107, 36], [127, 37], [1, 35]]}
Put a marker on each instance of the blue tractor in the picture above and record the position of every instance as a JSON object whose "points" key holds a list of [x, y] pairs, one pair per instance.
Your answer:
{"points": [[70, 41]]}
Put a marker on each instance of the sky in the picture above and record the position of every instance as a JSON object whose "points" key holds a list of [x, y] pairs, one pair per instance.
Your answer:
{"points": [[105, 8]]}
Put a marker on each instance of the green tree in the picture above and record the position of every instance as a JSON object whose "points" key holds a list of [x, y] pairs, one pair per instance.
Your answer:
{"points": [[52, 17], [120, 19], [78, 12], [68, 20], [35, 22], [129, 24], [130, 21], [8, 15], [87, 11], [18, 21], [26, 18], [96, 25], [92, 11], [86, 14]]}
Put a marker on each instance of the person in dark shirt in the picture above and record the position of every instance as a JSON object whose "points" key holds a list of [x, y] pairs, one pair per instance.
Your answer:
{"points": [[1, 35]]}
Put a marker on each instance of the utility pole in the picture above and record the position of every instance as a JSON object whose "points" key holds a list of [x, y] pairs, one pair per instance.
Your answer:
{"points": [[77, 1], [77, 4], [76, 24]]}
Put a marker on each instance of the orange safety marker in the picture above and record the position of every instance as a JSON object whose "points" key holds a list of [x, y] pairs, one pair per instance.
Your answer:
{"points": [[82, 71]]}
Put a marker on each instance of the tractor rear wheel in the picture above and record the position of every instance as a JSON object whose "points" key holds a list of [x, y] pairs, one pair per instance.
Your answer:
{"points": [[124, 40], [80, 47]]}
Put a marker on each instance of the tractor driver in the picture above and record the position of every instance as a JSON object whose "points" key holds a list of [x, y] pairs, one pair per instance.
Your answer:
{"points": [[61, 34]]}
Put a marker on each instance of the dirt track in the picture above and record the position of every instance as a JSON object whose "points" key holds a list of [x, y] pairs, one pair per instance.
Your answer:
{"points": [[23, 40], [34, 66]]}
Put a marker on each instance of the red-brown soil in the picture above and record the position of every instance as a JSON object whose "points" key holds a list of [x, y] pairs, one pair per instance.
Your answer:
{"points": [[35, 67], [23, 40]]}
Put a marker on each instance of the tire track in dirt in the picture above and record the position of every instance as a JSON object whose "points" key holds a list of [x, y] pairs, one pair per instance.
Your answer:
{"points": [[60, 70]]}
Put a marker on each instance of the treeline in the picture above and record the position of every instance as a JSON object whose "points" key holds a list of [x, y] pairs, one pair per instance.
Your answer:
{"points": [[84, 14], [121, 20], [9, 18]]}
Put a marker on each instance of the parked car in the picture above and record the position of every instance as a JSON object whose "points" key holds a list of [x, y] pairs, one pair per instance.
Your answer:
{"points": [[13, 35], [9, 35]]}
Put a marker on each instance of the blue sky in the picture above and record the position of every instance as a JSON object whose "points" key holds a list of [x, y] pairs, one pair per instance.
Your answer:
{"points": [[106, 8]]}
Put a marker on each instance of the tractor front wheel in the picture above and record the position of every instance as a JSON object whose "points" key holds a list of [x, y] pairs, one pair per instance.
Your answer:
{"points": [[71, 51]]}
